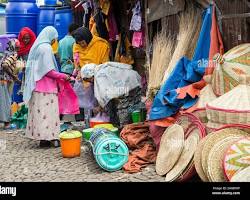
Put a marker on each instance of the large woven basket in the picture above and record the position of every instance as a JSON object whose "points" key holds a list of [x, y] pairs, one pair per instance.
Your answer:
{"points": [[230, 67], [233, 107], [206, 95]]}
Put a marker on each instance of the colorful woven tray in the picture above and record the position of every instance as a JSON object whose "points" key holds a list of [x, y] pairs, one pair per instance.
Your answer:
{"points": [[237, 157]]}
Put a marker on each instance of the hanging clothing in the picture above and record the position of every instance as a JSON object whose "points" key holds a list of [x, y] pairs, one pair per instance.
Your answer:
{"points": [[65, 51], [136, 20], [101, 27], [108, 82], [25, 48], [97, 52], [123, 52], [182, 87], [5, 102], [41, 60]]}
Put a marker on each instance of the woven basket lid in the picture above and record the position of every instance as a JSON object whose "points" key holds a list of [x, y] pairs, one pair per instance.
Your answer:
{"points": [[242, 175], [171, 146], [237, 100], [237, 157], [188, 173], [215, 159], [197, 161], [186, 157], [206, 94], [214, 137]]}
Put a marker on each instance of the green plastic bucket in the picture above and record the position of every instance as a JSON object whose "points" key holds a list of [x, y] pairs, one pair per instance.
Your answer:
{"points": [[110, 152], [86, 133], [138, 116]]}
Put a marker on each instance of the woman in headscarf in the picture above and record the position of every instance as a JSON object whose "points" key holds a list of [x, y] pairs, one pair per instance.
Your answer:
{"points": [[117, 88], [87, 49], [27, 38], [40, 90], [7, 77]]}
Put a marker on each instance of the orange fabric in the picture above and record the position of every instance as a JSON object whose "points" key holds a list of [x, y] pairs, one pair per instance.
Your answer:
{"points": [[138, 139], [165, 122], [216, 44]]}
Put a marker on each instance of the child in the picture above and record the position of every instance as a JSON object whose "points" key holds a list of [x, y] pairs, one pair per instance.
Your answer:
{"points": [[7, 77], [65, 50]]}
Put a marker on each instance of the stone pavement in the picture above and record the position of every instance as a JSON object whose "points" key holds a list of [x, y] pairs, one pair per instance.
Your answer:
{"points": [[22, 160]]}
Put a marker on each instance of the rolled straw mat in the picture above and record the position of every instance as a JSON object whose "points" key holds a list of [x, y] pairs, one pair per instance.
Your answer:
{"points": [[242, 175], [186, 157], [197, 161], [237, 157], [215, 159], [171, 146], [214, 137]]}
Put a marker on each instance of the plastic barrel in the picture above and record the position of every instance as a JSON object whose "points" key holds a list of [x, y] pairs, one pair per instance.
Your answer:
{"points": [[50, 2], [59, 17], [2, 20], [19, 14], [45, 18], [110, 152], [63, 18]]}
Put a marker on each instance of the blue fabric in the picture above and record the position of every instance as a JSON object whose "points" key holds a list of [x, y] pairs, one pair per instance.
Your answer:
{"points": [[17, 86], [185, 73], [41, 60]]}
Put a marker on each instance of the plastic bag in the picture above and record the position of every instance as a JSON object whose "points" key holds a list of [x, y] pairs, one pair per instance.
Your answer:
{"points": [[67, 99], [136, 20], [101, 117]]}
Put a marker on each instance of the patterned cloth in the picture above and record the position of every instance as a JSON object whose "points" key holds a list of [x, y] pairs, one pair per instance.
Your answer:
{"points": [[5, 103], [43, 117], [120, 109]]}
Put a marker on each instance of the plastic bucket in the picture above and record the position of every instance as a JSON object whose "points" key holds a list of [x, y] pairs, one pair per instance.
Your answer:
{"points": [[110, 152], [70, 145], [138, 116]]}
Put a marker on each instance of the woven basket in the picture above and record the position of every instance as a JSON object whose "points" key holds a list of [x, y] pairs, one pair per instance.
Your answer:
{"points": [[197, 161], [230, 67], [237, 157], [206, 95], [215, 159], [171, 146], [186, 157], [233, 107], [212, 139], [241, 176], [213, 127]]}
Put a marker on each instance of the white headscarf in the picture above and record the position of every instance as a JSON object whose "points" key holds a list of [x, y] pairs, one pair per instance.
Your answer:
{"points": [[40, 61]]}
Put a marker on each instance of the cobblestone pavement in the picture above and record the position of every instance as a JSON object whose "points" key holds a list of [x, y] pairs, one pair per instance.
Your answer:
{"points": [[22, 160]]}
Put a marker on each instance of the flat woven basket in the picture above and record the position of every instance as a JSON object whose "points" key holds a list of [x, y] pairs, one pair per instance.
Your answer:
{"points": [[237, 157], [171, 146], [190, 124], [185, 159], [233, 107], [212, 139], [241, 176], [213, 127]]}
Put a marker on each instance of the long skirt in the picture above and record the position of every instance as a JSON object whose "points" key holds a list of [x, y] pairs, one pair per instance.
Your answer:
{"points": [[43, 117], [5, 103]]}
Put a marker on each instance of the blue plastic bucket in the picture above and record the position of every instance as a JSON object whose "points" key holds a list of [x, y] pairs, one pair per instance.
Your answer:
{"points": [[110, 152]]}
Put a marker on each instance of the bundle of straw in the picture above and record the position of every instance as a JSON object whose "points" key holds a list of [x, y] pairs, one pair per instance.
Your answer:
{"points": [[189, 30], [163, 48]]}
